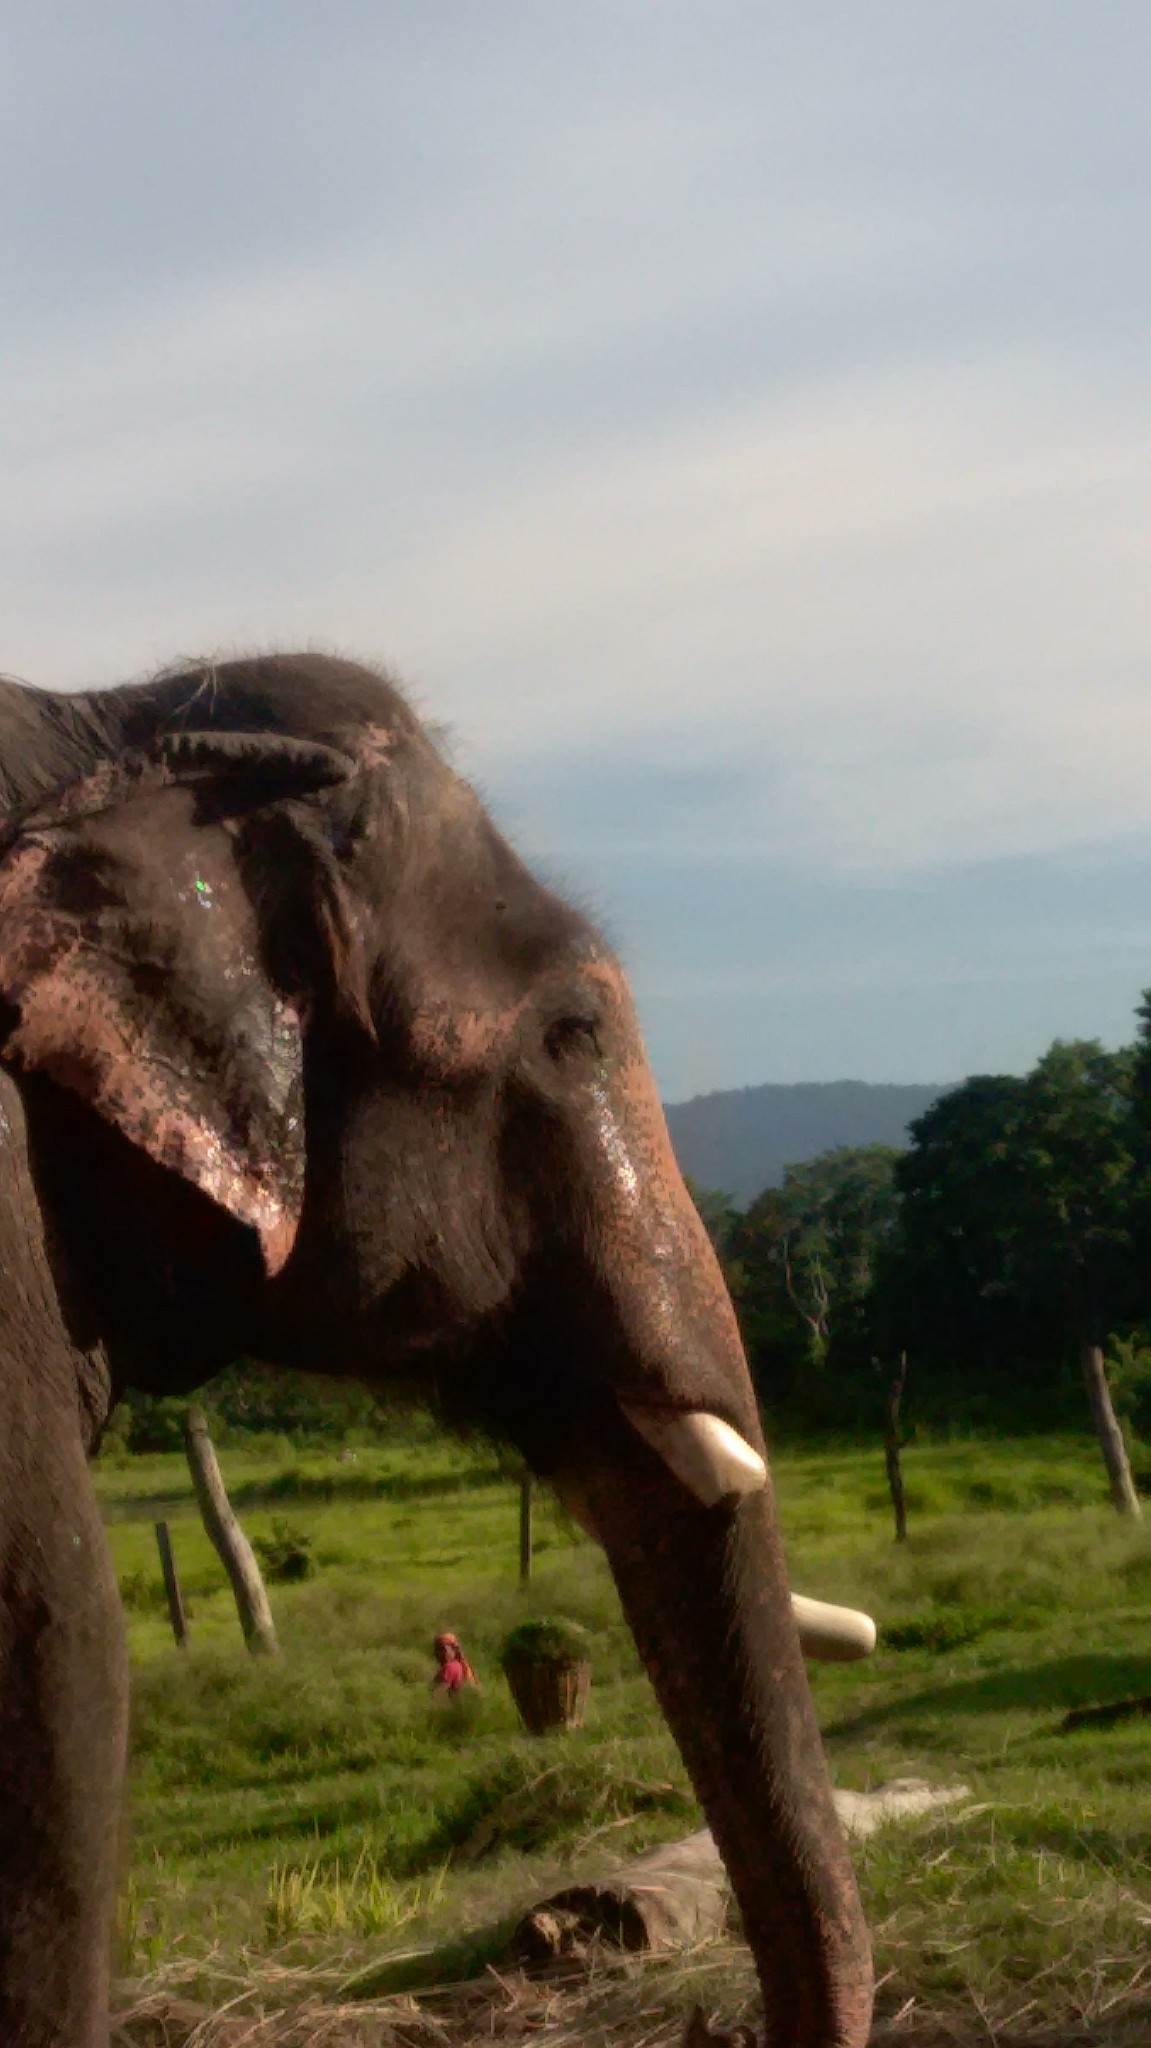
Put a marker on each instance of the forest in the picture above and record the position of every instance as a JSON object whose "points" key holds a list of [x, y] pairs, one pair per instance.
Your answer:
{"points": [[985, 1261]]}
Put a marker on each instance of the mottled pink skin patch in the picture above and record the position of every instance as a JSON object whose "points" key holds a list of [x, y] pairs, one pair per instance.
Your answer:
{"points": [[374, 746], [83, 1023], [107, 782], [651, 1245]]}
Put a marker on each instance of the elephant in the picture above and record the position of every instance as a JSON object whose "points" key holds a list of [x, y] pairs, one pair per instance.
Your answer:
{"points": [[299, 1061]]}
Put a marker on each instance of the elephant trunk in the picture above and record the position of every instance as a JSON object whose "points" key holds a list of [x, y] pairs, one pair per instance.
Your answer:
{"points": [[660, 1453], [672, 1474], [705, 1593]]}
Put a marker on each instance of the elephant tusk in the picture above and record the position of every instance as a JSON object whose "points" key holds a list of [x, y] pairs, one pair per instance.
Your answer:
{"points": [[834, 1635], [831, 1635], [707, 1454]]}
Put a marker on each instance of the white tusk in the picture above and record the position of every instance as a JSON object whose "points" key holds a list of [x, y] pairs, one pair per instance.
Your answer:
{"points": [[834, 1635], [707, 1454], [714, 1461]]}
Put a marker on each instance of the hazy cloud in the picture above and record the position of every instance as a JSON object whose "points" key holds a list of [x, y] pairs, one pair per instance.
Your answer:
{"points": [[736, 422]]}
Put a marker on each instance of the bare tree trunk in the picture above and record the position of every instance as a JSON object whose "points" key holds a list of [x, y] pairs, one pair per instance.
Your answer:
{"points": [[234, 1550], [891, 1450], [1107, 1429], [818, 1319]]}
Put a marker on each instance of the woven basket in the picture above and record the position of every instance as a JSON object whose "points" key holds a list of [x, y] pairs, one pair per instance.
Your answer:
{"points": [[549, 1692]]}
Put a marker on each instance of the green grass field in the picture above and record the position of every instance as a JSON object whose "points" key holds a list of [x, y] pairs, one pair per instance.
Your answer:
{"points": [[299, 1819]]}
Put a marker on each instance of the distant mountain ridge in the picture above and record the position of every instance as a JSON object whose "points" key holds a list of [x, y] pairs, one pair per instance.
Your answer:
{"points": [[739, 1140]]}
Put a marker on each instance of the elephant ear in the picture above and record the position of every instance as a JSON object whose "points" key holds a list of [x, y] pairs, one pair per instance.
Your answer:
{"points": [[131, 973]]}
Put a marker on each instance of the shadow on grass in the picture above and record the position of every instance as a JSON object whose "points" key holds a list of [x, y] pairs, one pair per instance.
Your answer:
{"points": [[1058, 1684], [322, 1487], [283, 1820]]}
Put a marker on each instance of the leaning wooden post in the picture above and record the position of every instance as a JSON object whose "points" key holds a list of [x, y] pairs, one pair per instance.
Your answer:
{"points": [[172, 1586], [525, 1528], [891, 1450], [232, 1546], [1123, 1494]]}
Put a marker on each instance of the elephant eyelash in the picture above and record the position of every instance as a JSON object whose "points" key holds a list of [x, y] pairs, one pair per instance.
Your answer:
{"points": [[572, 1034]]}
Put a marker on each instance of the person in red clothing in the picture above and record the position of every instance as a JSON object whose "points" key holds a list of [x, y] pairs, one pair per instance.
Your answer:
{"points": [[454, 1671]]}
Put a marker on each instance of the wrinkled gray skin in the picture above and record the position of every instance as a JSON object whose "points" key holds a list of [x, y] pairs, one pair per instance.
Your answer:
{"points": [[300, 1062]]}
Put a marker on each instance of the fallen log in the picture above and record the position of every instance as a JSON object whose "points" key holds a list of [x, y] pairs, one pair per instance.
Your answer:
{"points": [[677, 1895]]}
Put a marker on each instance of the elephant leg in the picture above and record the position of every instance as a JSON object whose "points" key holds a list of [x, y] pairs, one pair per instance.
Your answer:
{"points": [[63, 1730]]}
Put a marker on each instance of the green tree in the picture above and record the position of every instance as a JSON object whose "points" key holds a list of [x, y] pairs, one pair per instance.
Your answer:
{"points": [[1082, 1172], [1140, 1138], [842, 1209], [1013, 1262], [800, 1264], [1079, 1173], [773, 1333]]}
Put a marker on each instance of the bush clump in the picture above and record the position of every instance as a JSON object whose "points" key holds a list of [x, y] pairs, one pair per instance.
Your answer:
{"points": [[550, 1640], [285, 1554], [947, 1628]]}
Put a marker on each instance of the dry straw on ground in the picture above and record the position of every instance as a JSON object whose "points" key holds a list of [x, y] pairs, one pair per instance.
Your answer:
{"points": [[627, 2002]]}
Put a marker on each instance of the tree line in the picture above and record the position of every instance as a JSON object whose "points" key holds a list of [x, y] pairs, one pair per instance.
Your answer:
{"points": [[1004, 1256]]}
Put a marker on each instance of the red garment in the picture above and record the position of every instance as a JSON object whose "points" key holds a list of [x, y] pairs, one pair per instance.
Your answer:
{"points": [[454, 1671]]}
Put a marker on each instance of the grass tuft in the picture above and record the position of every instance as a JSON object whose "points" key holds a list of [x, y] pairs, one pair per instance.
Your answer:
{"points": [[316, 1898]]}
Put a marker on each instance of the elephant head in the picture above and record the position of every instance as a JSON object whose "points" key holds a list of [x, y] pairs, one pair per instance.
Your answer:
{"points": [[315, 1069]]}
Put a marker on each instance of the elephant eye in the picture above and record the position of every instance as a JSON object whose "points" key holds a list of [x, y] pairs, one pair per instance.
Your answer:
{"points": [[572, 1035]]}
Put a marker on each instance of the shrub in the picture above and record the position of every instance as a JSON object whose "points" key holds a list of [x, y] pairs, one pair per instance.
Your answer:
{"points": [[285, 1554], [143, 1591], [550, 1640], [948, 1628]]}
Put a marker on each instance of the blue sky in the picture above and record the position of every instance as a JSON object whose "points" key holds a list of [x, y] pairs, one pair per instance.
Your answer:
{"points": [[733, 420]]}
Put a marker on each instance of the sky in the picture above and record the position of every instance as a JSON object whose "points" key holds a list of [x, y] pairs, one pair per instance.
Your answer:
{"points": [[732, 420]]}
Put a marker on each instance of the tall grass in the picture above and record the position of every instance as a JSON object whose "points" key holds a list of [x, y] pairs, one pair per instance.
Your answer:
{"points": [[316, 1811]]}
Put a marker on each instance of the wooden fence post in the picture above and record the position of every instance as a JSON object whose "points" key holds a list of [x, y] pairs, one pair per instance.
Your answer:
{"points": [[892, 1447], [172, 1586], [1122, 1487], [232, 1546], [525, 1528]]}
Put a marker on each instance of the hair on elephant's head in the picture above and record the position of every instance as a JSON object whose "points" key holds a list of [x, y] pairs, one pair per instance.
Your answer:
{"points": [[316, 1069]]}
